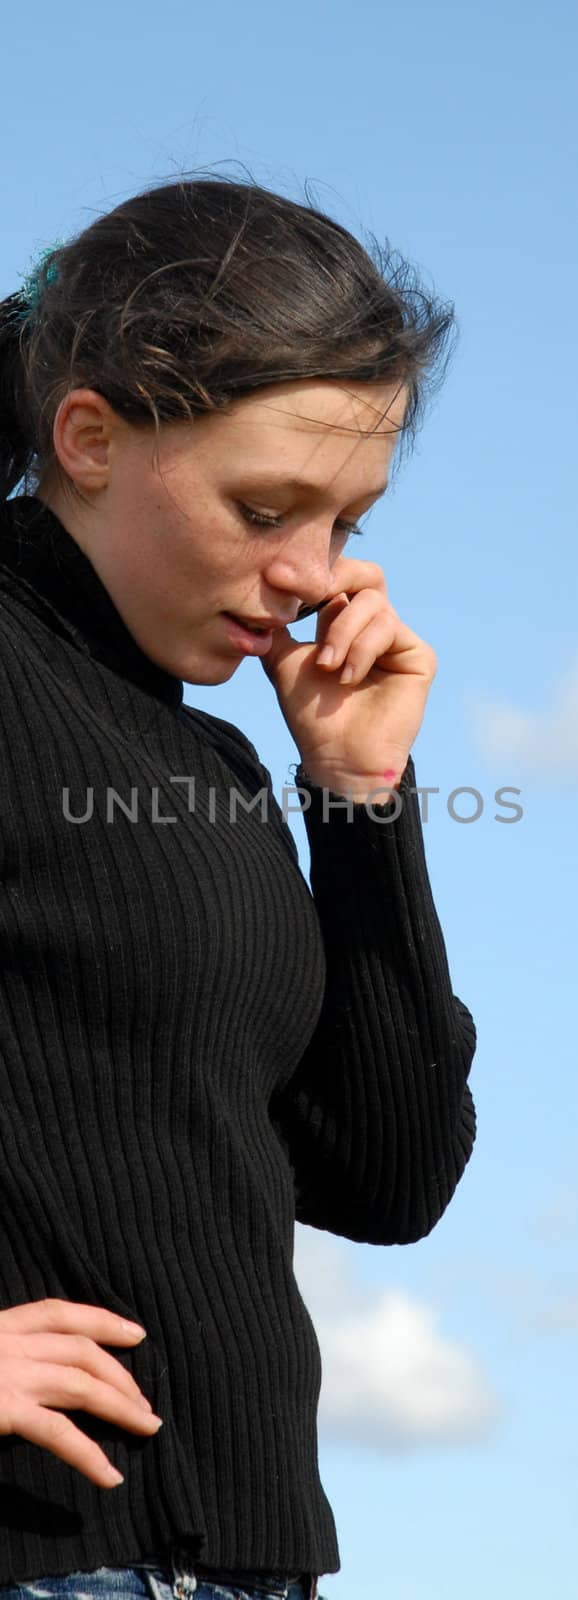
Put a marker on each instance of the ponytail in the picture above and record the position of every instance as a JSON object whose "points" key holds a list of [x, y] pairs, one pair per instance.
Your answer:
{"points": [[16, 443]]}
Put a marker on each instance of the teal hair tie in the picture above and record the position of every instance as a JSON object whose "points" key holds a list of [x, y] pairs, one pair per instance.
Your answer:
{"points": [[36, 279]]}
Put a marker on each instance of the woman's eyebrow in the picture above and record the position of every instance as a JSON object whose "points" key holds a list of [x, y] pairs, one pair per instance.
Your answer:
{"points": [[273, 481]]}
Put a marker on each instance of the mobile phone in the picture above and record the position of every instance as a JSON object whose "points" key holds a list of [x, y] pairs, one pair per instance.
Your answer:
{"points": [[310, 611]]}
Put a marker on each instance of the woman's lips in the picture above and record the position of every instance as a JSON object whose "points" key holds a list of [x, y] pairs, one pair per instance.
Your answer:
{"points": [[255, 644]]}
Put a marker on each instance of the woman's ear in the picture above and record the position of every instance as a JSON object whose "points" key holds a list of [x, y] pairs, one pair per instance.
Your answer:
{"points": [[84, 429]]}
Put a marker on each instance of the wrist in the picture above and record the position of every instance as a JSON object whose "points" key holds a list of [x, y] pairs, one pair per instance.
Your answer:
{"points": [[380, 795], [374, 790]]}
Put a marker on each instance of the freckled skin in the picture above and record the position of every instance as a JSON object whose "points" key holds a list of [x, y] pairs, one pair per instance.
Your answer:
{"points": [[166, 534]]}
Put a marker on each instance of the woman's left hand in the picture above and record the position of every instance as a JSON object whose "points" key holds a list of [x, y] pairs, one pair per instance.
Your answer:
{"points": [[354, 738]]}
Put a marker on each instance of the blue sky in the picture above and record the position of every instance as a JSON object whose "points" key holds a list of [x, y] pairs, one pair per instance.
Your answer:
{"points": [[450, 1451]]}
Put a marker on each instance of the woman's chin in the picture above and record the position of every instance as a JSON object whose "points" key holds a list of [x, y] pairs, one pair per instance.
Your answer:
{"points": [[210, 672]]}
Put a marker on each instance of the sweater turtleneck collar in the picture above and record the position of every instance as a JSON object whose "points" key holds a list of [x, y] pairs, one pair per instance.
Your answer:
{"points": [[61, 585]]}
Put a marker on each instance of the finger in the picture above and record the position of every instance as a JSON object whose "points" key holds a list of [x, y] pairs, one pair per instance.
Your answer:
{"points": [[341, 627], [333, 608], [368, 649], [69, 1316], [353, 575], [51, 1384], [391, 653], [74, 1350], [64, 1439]]}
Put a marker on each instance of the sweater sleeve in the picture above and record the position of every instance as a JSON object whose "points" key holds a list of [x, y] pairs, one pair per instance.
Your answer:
{"points": [[378, 1120]]}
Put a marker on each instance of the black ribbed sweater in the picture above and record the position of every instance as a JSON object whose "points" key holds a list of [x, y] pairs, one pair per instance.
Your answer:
{"points": [[195, 1049]]}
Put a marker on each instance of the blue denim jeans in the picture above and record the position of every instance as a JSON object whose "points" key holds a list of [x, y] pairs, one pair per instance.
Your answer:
{"points": [[147, 1582]]}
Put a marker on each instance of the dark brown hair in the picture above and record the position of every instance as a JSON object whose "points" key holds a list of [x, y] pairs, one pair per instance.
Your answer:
{"points": [[193, 293]]}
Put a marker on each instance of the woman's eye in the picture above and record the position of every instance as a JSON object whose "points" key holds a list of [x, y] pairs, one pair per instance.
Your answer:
{"points": [[259, 519]]}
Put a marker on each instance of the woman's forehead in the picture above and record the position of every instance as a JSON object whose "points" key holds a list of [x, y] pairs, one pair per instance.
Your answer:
{"points": [[313, 404]]}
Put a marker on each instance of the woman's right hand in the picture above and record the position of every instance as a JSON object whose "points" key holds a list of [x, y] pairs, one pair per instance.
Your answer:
{"points": [[49, 1356]]}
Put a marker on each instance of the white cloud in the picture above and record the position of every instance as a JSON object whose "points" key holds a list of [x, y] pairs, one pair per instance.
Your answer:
{"points": [[392, 1380], [543, 743]]}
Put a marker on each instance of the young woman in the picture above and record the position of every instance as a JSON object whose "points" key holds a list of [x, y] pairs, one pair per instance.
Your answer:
{"points": [[200, 396]]}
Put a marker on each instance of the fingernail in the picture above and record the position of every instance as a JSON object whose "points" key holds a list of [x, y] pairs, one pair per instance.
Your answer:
{"points": [[134, 1328], [326, 655], [346, 675], [158, 1421], [114, 1476], [146, 1405]]}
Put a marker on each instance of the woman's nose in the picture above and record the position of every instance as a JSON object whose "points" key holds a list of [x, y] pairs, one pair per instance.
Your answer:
{"points": [[306, 579]]}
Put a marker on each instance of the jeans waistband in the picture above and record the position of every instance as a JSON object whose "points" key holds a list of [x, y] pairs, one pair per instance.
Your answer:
{"points": [[186, 1572], [250, 1579]]}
